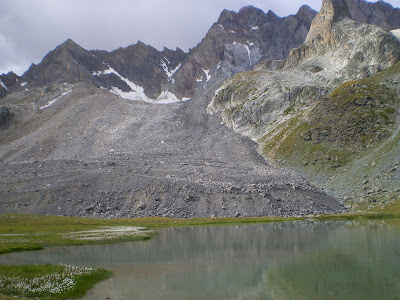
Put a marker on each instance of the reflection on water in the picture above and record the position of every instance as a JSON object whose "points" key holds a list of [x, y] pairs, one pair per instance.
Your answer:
{"points": [[299, 260]]}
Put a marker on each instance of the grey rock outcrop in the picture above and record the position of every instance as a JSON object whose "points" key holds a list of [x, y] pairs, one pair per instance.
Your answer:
{"points": [[379, 13], [144, 65], [237, 42], [276, 101], [7, 82], [140, 64], [337, 49], [69, 63], [7, 116], [354, 50]]}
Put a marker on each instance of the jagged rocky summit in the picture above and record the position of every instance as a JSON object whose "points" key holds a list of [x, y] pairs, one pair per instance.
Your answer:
{"points": [[71, 147], [236, 43]]}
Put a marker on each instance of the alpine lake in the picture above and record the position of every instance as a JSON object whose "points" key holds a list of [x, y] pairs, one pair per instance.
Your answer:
{"points": [[287, 260]]}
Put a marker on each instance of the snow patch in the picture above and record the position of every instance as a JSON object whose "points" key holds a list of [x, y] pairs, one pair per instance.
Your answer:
{"points": [[54, 101], [3, 85], [24, 84], [248, 51], [135, 95], [219, 65], [232, 31], [221, 26], [255, 28], [165, 97], [167, 70], [137, 91], [207, 72], [396, 33], [168, 97], [164, 66], [176, 69], [167, 60]]}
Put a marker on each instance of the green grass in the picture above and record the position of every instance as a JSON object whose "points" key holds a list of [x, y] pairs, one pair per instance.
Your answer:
{"points": [[388, 73], [30, 232], [19, 232], [354, 130], [390, 213], [288, 143], [43, 231], [392, 209], [48, 281]]}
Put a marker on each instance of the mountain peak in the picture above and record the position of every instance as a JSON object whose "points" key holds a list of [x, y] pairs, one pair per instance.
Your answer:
{"points": [[271, 15], [305, 8], [332, 11], [306, 14], [227, 18], [250, 9], [69, 43], [379, 13]]}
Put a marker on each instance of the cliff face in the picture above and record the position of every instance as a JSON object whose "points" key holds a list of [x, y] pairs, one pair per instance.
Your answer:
{"points": [[132, 69], [337, 49], [379, 13], [7, 82], [237, 42], [352, 49], [298, 117]]}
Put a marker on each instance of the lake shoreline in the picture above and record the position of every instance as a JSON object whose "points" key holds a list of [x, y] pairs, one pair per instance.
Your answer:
{"points": [[25, 232], [203, 259]]}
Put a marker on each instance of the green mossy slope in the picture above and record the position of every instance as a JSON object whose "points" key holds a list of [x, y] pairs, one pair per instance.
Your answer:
{"points": [[347, 142]]}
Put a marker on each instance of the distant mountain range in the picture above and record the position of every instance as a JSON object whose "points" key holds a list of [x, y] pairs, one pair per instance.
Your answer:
{"points": [[235, 43]]}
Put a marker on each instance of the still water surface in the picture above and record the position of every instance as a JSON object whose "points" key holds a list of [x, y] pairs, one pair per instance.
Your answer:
{"points": [[299, 260]]}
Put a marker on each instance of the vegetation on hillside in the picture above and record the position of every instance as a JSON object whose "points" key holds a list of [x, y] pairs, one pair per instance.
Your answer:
{"points": [[49, 281], [352, 131]]}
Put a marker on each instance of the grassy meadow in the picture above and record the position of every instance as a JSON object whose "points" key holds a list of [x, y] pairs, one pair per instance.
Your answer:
{"points": [[21, 232]]}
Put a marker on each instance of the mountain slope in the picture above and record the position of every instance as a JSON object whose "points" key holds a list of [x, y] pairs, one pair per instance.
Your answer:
{"points": [[237, 42], [139, 68], [301, 121], [348, 142], [379, 13], [69, 146], [91, 153]]}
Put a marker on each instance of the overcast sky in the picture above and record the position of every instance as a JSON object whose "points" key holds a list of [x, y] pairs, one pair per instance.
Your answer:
{"points": [[31, 28]]}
